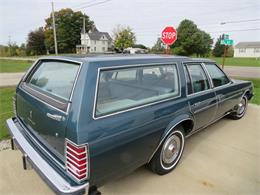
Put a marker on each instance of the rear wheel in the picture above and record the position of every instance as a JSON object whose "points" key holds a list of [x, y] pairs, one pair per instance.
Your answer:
{"points": [[240, 109], [169, 153]]}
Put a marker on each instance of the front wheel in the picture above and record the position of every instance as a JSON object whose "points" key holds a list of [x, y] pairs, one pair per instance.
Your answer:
{"points": [[169, 153], [240, 109]]}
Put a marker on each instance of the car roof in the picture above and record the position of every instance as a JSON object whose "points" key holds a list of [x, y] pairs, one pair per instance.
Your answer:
{"points": [[128, 57]]}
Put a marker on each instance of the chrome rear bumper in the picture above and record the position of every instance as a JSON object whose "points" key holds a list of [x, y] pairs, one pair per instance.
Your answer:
{"points": [[48, 174]]}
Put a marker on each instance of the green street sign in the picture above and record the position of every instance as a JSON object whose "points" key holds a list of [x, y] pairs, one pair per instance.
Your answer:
{"points": [[227, 42]]}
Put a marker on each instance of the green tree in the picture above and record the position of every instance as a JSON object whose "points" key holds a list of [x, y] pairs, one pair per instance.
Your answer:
{"points": [[35, 42], [68, 28], [124, 37], [191, 40], [218, 49], [158, 47]]}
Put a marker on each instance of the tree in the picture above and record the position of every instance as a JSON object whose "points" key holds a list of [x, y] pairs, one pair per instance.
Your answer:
{"points": [[191, 40], [124, 37], [218, 50], [141, 46], [35, 42], [68, 29], [158, 47]]}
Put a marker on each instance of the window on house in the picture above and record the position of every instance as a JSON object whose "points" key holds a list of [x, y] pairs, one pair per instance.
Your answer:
{"points": [[103, 49], [257, 50], [95, 49], [242, 50]]}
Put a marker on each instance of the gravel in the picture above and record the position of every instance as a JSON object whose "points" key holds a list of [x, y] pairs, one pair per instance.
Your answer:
{"points": [[5, 144]]}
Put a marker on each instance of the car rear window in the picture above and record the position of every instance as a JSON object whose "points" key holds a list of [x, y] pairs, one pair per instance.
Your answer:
{"points": [[121, 89], [55, 77]]}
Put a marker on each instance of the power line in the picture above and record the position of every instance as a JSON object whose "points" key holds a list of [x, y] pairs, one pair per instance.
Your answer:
{"points": [[237, 30], [240, 21], [94, 4]]}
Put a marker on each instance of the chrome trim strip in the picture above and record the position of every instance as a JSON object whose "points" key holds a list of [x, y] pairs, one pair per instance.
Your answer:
{"points": [[75, 151], [44, 94], [67, 152], [53, 178], [85, 164], [38, 144], [167, 135], [136, 107], [43, 101]]}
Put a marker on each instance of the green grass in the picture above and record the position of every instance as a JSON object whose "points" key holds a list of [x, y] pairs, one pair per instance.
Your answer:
{"points": [[6, 109], [14, 65], [256, 82], [238, 61]]}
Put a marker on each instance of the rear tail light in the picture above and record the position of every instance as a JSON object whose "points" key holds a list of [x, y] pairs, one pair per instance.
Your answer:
{"points": [[77, 164]]}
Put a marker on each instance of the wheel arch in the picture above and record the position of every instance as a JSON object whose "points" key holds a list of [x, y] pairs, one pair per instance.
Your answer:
{"points": [[186, 121]]}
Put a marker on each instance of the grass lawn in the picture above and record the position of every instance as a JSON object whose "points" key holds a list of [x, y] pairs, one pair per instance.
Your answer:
{"points": [[14, 65], [6, 109], [238, 61], [256, 82]]}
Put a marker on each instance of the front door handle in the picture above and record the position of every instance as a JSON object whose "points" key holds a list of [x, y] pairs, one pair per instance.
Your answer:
{"points": [[55, 117]]}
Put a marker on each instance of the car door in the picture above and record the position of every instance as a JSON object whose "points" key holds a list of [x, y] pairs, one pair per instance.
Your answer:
{"points": [[202, 99], [226, 96]]}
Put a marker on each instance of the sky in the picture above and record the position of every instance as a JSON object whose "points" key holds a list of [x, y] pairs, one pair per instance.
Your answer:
{"points": [[147, 18]]}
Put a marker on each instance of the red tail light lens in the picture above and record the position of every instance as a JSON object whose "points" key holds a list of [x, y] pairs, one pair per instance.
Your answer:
{"points": [[77, 160]]}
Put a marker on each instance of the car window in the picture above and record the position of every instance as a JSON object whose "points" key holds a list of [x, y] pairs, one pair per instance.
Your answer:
{"points": [[150, 84], [217, 76], [187, 76], [198, 77], [56, 78]]}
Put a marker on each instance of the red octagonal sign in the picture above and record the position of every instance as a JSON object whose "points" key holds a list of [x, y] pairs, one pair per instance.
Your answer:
{"points": [[169, 35]]}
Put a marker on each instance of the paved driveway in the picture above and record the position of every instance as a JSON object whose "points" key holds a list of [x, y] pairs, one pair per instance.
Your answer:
{"points": [[223, 159]]}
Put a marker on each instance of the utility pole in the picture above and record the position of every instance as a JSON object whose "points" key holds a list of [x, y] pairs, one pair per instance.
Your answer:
{"points": [[224, 56], [54, 29]]}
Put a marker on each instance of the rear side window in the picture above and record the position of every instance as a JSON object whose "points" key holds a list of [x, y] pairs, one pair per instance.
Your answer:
{"points": [[54, 77], [198, 78], [138, 86], [217, 76]]}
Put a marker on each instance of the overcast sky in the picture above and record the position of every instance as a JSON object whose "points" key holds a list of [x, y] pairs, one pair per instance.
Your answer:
{"points": [[147, 18]]}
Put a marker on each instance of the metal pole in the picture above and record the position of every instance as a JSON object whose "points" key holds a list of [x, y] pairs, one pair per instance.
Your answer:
{"points": [[54, 29], [224, 56]]}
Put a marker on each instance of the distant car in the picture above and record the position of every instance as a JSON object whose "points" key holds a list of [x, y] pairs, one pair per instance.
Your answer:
{"points": [[82, 122]]}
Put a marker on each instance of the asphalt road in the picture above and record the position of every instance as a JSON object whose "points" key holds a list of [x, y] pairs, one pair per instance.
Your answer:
{"points": [[222, 159]]}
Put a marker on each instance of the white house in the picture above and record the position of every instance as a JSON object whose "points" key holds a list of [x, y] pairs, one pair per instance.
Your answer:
{"points": [[94, 42], [247, 49]]}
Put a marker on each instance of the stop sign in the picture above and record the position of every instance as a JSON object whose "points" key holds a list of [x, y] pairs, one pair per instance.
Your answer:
{"points": [[169, 35]]}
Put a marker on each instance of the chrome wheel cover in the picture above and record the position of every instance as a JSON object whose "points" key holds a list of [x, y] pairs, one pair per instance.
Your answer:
{"points": [[171, 149], [241, 107]]}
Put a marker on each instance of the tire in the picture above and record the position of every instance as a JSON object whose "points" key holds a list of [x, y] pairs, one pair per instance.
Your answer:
{"points": [[169, 153], [240, 109]]}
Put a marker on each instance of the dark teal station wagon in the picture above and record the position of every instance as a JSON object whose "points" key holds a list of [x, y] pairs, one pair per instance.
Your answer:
{"points": [[81, 122]]}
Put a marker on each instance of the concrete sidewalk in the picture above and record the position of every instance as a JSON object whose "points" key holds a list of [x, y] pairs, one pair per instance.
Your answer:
{"points": [[10, 79], [222, 159]]}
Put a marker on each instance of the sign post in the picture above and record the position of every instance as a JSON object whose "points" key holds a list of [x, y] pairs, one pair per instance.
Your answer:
{"points": [[168, 37], [225, 41]]}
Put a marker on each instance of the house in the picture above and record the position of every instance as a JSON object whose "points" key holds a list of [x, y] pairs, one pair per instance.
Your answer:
{"points": [[247, 49], [94, 42]]}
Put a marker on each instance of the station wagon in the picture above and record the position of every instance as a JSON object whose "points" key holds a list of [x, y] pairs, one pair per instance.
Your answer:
{"points": [[84, 121]]}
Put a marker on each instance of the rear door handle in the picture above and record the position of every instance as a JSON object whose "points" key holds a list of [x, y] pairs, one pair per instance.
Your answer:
{"points": [[55, 117]]}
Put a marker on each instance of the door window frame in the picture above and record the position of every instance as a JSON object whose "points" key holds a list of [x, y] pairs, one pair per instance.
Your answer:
{"points": [[138, 106], [206, 74]]}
